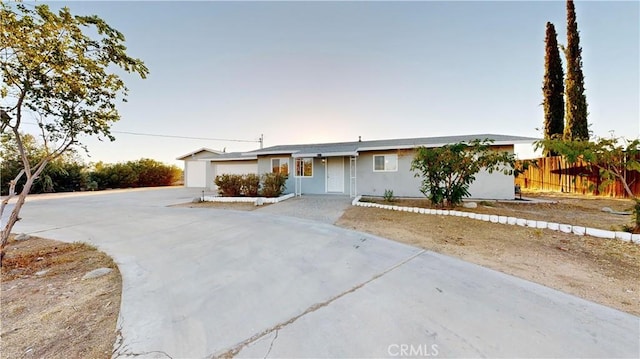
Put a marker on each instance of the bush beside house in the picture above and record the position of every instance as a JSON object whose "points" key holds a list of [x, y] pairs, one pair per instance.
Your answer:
{"points": [[251, 185], [273, 184]]}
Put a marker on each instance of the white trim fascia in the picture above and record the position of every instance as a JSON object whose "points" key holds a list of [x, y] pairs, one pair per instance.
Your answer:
{"points": [[432, 145], [252, 158], [388, 148], [266, 153], [326, 154], [183, 157]]}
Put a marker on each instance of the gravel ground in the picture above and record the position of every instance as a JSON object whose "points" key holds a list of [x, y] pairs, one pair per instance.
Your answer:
{"points": [[321, 208]]}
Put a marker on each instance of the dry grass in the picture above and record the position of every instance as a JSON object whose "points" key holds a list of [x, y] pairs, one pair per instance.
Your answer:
{"points": [[569, 209], [237, 206], [55, 314]]}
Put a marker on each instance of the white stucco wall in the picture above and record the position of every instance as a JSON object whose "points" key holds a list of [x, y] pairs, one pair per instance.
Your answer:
{"points": [[235, 167], [195, 173], [403, 183]]}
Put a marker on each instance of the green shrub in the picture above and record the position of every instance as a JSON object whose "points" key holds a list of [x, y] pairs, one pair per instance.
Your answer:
{"points": [[92, 185], [229, 185], [273, 184], [152, 173], [250, 185], [388, 195]]}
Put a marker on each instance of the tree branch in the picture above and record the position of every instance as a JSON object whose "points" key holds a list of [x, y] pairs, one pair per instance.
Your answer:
{"points": [[12, 192]]}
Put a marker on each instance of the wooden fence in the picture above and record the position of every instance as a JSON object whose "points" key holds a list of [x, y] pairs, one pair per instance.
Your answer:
{"points": [[554, 174]]}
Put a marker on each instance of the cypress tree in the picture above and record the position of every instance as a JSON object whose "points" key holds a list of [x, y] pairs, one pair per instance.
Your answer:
{"points": [[553, 86], [576, 127]]}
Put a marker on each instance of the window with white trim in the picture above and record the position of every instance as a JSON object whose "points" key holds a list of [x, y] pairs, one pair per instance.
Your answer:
{"points": [[280, 165], [304, 167], [385, 163]]}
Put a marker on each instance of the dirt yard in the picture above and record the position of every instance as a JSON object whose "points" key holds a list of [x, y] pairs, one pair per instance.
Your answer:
{"points": [[48, 310], [599, 270], [238, 206], [580, 211]]}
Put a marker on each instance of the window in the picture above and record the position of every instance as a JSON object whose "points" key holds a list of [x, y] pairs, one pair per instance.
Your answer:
{"points": [[304, 167], [280, 165], [385, 163]]}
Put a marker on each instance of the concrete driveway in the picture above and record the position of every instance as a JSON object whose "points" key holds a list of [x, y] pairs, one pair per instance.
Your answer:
{"points": [[199, 283], [327, 209]]}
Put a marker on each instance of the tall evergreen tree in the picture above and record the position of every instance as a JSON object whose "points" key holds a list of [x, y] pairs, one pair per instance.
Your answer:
{"points": [[576, 127], [553, 86]]}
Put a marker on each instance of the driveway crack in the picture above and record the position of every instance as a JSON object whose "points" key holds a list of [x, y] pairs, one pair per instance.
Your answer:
{"points": [[271, 345], [238, 347]]}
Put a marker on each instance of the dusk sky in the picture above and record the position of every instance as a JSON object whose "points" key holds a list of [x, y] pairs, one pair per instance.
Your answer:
{"points": [[305, 72]]}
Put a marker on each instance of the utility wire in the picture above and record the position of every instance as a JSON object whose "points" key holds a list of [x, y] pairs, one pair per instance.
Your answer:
{"points": [[184, 137], [170, 136]]}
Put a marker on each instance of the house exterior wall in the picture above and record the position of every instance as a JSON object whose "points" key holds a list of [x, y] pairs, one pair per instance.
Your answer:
{"points": [[310, 185], [495, 185], [264, 166], [195, 170], [195, 173], [234, 167], [211, 170], [315, 184], [403, 183]]}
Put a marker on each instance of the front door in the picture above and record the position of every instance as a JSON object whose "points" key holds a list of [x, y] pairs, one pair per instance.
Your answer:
{"points": [[335, 174]]}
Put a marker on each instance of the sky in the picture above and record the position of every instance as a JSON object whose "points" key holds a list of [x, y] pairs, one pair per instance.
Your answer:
{"points": [[309, 72]]}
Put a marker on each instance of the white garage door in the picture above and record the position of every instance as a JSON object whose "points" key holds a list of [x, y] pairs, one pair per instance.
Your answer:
{"points": [[236, 168], [196, 174]]}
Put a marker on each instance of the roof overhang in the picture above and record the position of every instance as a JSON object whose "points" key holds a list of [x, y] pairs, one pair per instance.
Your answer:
{"points": [[193, 153], [434, 145], [387, 148], [265, 153], [225, 159], [324, 154]]}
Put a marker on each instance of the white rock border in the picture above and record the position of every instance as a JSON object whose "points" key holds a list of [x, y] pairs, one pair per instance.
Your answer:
{"points": [[561, 227], [247, 199]]}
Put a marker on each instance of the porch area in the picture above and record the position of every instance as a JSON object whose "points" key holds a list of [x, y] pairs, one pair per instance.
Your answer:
{"points": [[325, 174]]}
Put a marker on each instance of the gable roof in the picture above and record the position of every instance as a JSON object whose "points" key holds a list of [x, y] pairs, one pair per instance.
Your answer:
{"points": [[352, 148], [203, 149]]}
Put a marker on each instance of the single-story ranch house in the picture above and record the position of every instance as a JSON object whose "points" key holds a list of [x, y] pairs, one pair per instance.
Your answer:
{"points": [[353, 168]]}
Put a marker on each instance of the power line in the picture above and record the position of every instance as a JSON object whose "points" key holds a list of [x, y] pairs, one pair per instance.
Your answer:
{"points": [[171, 136], [183, 137]]}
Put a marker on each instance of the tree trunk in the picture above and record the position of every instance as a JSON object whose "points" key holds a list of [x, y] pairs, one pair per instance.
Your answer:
{"points": [[11, 194], [13, 218], [636, 213]]}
